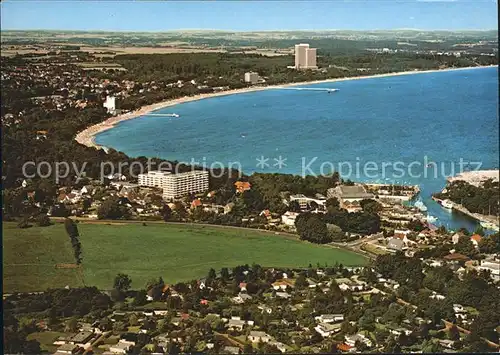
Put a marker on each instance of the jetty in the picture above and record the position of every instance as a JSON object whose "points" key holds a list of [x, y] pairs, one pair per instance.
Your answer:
{"points": [[308, 89], [162, 114]]}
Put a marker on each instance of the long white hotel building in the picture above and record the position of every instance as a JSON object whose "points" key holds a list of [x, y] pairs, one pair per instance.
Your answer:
{"points": [[176, 185], [305, 57]]}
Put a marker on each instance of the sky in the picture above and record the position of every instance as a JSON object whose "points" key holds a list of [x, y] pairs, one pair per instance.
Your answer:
{"points": [[120, 15]]}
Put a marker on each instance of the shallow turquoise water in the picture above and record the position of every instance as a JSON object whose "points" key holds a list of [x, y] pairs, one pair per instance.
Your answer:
{"points": [[444, 116]]}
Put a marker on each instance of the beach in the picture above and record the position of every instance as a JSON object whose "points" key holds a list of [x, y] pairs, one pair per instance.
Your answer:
{"points": [[86, 137]]}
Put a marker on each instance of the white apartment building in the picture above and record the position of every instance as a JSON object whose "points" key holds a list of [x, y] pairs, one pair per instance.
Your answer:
{"points": [[252, 77], [176, 185], [153, 178], [110, 104], [305, 57]]}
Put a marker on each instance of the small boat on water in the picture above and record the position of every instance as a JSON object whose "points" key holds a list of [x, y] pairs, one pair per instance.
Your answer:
{"points": [[420, 205], [489, 225], [447, 204], [430, 219], [243, 135], [172, 115]]}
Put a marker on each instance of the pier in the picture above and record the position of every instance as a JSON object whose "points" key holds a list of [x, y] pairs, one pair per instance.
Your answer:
{"points": [[162, 114], [309, 89]]}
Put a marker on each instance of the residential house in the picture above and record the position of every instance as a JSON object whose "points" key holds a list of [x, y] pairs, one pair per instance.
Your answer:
{"points": [[231, 350], [258, 336], [352, 339], [68, 349], [456, 257], [306, 202], [236, 324], [82, 338], [121, 347], [446, 343], [395, 244], [282, 284], [228, 207], [284, 295], [288, 218], [348, 284], [280, 346], [475, 239], [493, 266], [436, 296], [455, 238], [241, 298], [265, 309], [326, 329], [242, 186], [330, 318]]}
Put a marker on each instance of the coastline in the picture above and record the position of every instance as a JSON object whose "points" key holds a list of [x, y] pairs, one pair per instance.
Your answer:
{"points": [[476, 216], [87, 136]]}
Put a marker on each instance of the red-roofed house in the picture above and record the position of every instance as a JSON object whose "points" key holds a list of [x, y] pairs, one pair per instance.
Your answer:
{"points": [[196, 203], [475, 239], [184, 316], [344, 347], [242, 186]]}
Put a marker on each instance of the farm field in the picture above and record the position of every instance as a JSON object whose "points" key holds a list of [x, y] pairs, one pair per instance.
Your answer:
{"points": [[175, 252]]}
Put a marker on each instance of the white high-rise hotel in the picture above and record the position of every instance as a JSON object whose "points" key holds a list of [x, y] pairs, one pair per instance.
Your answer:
{"points": [[176, 185], [305, 57]]}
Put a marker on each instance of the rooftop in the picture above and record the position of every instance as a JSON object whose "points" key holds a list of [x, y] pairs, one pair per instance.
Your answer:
{"points": [[356, 191]]}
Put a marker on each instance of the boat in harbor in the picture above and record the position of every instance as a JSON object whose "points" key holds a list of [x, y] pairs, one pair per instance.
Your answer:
{"points": [[447, 204], [421, 206], [489, 225], [430, 219]]}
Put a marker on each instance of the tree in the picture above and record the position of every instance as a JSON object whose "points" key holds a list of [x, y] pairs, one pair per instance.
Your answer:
{"points": [[212, 275], [370, 206], [166, 213], [332, 203], [71, 325], [294, 206], [72, 231], [465, 246], [248, 348], [140, 298], [301, 281], [490, 244], [43, 220], [335, 232], [122, 282], [479, 230], [133, 320], [119, 326], [224, 274], [312, 228], [113, 208]]}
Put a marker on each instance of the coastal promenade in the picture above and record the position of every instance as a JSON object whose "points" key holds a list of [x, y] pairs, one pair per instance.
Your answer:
{"points": [[86, 137]]}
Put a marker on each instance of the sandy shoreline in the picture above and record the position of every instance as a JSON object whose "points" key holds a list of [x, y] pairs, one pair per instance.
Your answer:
{"points": [[86, 137]]}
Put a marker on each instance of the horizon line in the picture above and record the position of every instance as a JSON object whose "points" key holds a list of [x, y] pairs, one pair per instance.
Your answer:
{"points": [[249, 31]]}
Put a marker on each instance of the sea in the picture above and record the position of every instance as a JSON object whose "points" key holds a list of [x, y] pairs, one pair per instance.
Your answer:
{"points": [[405, 129]]}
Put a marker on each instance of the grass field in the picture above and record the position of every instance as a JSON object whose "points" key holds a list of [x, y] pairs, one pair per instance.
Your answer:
{"points": [[174, 252]]}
